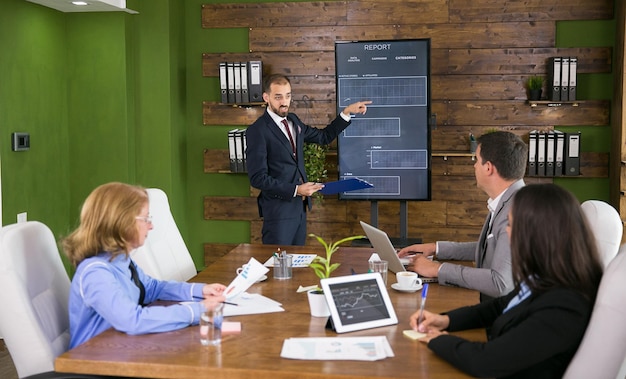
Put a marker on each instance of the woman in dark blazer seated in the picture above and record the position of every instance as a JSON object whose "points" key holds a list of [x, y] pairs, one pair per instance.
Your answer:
{"points": [[535, 330]]}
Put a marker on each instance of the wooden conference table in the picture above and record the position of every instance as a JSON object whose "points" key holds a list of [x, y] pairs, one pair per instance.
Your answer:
{"points": [[255, 351]]}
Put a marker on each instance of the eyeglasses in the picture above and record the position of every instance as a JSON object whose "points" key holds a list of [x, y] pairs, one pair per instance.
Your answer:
{"points": [[147, 220]]}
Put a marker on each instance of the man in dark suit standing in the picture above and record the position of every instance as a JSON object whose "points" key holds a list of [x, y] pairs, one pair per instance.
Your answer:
{"points": [[275, 161]]}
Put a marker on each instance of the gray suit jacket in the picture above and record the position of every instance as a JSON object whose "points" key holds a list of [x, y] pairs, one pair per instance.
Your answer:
{"points": [[491, 253]]}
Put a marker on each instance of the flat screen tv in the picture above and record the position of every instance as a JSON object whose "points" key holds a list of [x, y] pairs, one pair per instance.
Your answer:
{"points": [[389, 146]]}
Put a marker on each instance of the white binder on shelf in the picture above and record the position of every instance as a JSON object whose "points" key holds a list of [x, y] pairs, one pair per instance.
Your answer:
{"points": [[223, 82], [231, 81], [564, 78], [237, 66], [559, 152], [245, 98], [573, 62], [244, 141], [532, 153], [555, 78], [239, 149], [550, 142], [232, 150], [541, 154]]}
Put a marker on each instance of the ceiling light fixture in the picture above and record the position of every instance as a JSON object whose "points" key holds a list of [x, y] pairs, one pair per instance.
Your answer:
{"points": [[86, 5]]}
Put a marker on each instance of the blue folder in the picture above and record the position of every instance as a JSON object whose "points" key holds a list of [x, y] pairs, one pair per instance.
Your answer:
{"points": [[345, 185]]}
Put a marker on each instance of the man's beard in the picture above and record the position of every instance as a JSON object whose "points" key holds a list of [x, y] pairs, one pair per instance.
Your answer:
{"points": [[281, 111]]}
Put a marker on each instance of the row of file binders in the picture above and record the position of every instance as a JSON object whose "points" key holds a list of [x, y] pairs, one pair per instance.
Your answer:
{"points": [[241, 82], [562, 78], [237, 150], [553, 153]]}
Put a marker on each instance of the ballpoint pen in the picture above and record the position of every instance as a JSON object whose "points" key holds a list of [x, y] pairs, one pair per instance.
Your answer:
{"points": [[424, 293], [223, 302]]}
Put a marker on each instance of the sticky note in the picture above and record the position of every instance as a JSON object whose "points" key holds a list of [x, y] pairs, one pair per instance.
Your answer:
{"points": [[412, 334], [231, 327]]}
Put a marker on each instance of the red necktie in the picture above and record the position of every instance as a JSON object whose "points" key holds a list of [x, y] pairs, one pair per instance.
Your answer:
{"points": [[293, 145]]}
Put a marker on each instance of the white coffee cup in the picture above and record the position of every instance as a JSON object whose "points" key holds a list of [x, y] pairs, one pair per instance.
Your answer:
{"points": [[240, 269], [408, 279]]}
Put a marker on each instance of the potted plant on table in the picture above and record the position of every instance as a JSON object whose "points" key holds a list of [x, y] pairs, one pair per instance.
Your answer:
{"points": [[323, 267]]}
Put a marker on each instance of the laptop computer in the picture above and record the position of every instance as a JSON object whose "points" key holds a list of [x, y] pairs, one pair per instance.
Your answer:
{"points": [[386, 251]]}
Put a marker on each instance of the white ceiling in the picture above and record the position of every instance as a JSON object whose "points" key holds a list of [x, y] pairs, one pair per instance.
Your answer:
{"points": [[92, 5]]}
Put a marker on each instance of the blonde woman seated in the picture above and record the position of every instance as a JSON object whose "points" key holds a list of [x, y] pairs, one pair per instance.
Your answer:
{"points": [[108, 289], [536, 329]]}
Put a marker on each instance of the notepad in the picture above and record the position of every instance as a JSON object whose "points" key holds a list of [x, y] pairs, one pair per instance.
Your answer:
{"points": [[297, 260]]}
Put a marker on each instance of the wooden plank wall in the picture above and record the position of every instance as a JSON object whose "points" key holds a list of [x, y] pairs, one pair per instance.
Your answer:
{"points": [[482, 51]]}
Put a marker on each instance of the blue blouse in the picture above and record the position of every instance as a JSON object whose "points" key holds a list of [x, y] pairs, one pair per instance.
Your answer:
{"points": [[103, 295]]}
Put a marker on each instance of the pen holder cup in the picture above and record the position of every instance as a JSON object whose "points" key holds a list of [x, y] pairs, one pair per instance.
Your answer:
{"points": [[283, 266]]}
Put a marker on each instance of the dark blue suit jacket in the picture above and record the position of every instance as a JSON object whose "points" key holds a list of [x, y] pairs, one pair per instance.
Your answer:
{"points": [[274, 170], [536, 339]]}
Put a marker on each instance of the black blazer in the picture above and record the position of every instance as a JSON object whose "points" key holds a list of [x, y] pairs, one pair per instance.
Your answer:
{"points": [[536, 339], [274, 170]]}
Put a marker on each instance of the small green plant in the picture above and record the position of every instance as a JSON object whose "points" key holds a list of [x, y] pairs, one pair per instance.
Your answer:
{"points": [[322, 266], [534, 82]]}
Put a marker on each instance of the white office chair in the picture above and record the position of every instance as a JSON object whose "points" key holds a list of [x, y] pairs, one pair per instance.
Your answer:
{"points": [[606, 226], [602, 351], [34, 290], [164, 254]]}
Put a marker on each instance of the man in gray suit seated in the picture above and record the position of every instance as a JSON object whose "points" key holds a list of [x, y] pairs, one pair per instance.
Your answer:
{"points": [[500, 167]]}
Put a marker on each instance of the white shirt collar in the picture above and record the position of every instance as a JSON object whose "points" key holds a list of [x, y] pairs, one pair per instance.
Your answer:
{"points": [[277, 119]]}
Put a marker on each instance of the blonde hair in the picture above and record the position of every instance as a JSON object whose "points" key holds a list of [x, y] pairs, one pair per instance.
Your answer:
{"points": [[107, 222]]}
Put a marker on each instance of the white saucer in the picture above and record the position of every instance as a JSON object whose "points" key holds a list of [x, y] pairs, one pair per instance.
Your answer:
{"points": [[262, 279], [396, 287]]}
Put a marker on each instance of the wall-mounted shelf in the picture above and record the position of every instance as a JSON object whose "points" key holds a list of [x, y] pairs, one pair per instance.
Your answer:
{"points": [[549, 103], [446, 154], [244, 105]]}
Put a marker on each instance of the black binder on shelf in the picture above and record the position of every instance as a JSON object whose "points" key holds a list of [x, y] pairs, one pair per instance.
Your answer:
{"points": [[555, 79], [237, 66], [564, 78], [239, 149], [532, 153], [573, 62], [245, 98], [541, 154], [550, 142], [231, 81], [572, 154], [232, 150], [223, 82], [255, 81], [559, 152]]}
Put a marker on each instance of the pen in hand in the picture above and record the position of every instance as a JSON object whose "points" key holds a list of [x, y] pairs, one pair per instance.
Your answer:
{"points": [[223, 302], [423, 303]]}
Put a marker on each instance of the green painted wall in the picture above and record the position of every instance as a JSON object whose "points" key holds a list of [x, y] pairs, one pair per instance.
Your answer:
{"points": [[114, 96], [102, 95], [34, 99], [591, 87]]}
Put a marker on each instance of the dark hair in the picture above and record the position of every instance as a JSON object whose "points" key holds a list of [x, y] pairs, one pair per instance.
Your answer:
{"points": [[274, 79], [551, 243], [506, 151]]}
